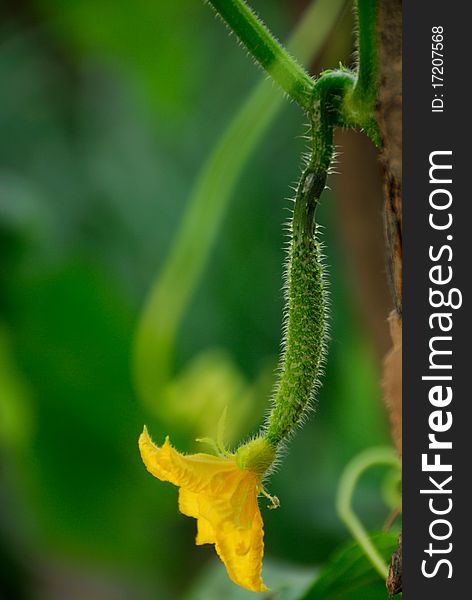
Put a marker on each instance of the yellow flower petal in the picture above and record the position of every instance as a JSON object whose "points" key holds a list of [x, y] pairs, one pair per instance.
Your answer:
{"points": [[188, 505], [193, 472], [223, 499]]}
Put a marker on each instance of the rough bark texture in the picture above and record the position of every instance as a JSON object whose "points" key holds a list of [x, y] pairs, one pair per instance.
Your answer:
{"points": [[390, 121], [394, 579]]}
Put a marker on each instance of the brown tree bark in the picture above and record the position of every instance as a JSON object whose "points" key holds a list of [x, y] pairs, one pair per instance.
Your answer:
{"points": [[389, 112]]}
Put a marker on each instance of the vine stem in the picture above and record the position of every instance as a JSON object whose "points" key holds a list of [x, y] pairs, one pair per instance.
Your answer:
{"points": [[266, 50], [359, 103], [357, 109], [353, 471], [365, 88]]}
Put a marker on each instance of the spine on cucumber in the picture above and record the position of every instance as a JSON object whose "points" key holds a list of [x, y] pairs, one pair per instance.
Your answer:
{"points": [[305, 327]]}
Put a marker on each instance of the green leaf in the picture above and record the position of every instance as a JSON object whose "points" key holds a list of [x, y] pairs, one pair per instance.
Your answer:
{"points": [[350, 575], [286, 582]]}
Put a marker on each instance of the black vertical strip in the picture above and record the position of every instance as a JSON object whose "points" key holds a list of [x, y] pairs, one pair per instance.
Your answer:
{"points": [[432, 256]]}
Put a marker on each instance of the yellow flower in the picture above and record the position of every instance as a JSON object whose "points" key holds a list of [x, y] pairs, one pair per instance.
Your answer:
{"points": [[221, 493]]}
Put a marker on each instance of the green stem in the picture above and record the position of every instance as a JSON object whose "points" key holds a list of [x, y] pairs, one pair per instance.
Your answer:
{"points": [[353, 471], [358, 109], [171, 293], [365, 88], [266, 50]]}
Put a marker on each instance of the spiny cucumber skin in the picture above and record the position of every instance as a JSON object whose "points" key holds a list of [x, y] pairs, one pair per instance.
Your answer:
{"points": [[305, 331], [305, 339]]}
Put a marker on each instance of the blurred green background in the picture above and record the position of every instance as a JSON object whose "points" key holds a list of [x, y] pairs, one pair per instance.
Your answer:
{"points": [[108, 111]]}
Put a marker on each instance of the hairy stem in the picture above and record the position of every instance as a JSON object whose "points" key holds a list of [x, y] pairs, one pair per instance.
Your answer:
{"points": [[359, 104], [365, 88], [265, 49]]}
